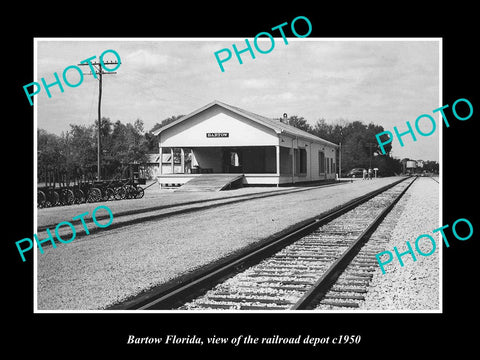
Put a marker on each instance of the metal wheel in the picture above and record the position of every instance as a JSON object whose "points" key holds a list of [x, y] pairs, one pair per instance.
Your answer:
{"points": [[94, 195], [110, 194], [79, 196], [120, 193], [130, 191], [41, 199], [104, 194], [68, 198], [53, 198], [140, 193]]}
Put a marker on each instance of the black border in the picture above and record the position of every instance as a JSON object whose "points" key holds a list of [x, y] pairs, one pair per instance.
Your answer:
{"points": [[92, 334]]}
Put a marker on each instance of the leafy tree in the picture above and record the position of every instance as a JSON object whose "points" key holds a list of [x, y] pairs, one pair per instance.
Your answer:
{"points": [[82, 147], [165, 122], [299, 123], [150, 144], [75, 152], [359, 145], [49, 148], [122, 145], [151, 141], [431, 166], [49, 155]]}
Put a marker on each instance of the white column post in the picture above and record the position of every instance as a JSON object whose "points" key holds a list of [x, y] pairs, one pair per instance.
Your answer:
{"points": [[310, 161], [277, 148], [293, 162], [161, 159], [182, 155], [340, 162]]}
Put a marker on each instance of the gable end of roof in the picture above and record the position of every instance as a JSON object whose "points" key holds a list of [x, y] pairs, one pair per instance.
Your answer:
{"points": [[276, 125]]}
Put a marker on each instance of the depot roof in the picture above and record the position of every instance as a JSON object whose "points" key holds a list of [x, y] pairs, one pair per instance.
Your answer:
{"points": [[278, 126]]}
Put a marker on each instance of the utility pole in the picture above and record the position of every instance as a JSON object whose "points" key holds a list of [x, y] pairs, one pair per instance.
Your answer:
{"points": [[340, 162], [100, 72]]}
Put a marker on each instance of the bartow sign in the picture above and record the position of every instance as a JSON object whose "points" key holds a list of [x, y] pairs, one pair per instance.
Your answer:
{"points": [[217, 135]]}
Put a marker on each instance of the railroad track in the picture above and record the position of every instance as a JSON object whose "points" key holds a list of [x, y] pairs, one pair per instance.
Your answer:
{"points": [[295, 271], [130, 217], [350, 288]]}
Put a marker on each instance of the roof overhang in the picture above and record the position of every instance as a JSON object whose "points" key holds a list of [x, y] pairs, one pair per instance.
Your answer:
{"points": [[280, 129]]}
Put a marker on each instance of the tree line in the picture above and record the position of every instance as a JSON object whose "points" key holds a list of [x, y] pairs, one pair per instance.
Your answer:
{"points": [[75, 151], [359, 148]]}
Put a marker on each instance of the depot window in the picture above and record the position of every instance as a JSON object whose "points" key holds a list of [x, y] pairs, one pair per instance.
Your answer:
{"points": [[301, 161], [321, 162]]}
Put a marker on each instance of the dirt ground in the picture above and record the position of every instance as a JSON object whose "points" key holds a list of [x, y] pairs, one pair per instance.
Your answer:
{"points": [[96, 271]]}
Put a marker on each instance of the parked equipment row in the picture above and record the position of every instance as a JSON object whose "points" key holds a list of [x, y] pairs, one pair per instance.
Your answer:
{"points": [[88, 192]]}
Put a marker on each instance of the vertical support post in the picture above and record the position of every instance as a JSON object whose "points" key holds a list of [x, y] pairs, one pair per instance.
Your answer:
{"points": [[161, 158], [193, 159], [182, 155], [309, 170], [171, 160], [293, 162], [340, 162], [277, 148], [96, 69], [99, 122]]}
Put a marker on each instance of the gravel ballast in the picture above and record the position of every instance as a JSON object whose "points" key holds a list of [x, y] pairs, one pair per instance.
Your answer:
{"points": [[416, 285], [109, 266]]}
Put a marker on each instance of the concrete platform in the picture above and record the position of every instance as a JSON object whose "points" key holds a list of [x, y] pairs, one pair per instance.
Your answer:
{"points": [[101, 269], [210, 182]]}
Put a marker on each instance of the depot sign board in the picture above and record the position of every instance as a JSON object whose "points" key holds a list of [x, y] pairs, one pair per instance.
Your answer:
{"points": [[218, 135]]}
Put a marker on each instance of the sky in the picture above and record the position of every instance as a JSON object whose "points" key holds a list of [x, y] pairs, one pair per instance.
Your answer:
{"points": [[382, 81]]}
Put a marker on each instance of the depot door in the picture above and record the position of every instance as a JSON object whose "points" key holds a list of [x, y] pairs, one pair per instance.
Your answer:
{"points": [[232, 161]]}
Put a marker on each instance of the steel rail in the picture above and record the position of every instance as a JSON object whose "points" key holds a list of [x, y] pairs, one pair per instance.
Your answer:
{"points": [[203, 204], [180, 292], [324, 283]]}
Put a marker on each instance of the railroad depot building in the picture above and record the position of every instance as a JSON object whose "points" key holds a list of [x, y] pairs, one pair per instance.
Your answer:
{"points": [[223, 139]]}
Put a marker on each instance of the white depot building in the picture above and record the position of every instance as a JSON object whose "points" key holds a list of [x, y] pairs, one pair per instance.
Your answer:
{"points": [[223, 139]]}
